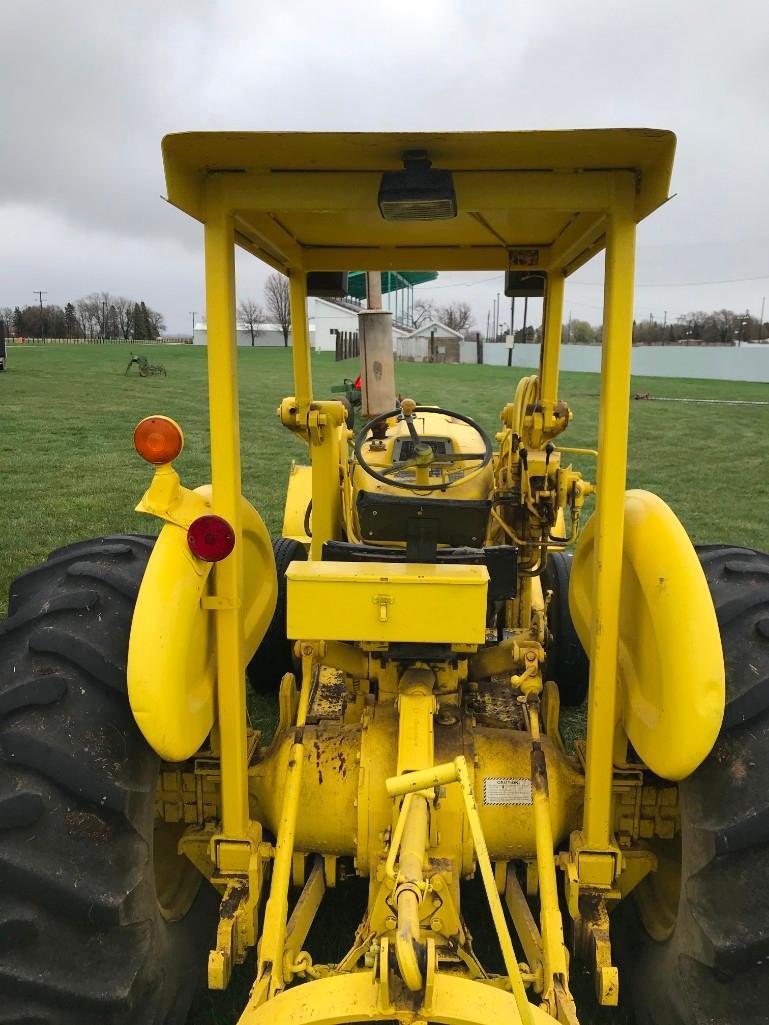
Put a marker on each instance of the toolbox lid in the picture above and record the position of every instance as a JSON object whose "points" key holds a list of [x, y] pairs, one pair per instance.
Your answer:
{"points": [[386, 573]]}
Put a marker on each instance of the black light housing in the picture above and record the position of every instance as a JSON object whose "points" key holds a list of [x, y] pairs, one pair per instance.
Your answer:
{"points": [[525, 283], [327, 284], [418, 192]]}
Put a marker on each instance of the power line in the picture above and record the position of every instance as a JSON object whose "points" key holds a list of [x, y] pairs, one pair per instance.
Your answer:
{"points": [[679, 284], [600, 284], [459, 284]]}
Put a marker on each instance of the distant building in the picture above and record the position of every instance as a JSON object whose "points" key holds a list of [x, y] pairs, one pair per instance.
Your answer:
{"points": [[325, 318], [433, 342]]}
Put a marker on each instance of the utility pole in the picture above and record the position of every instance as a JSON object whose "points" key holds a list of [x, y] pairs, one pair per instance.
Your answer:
{"points": [[192, 314], [525, 315], [496, 319], [569, 327], [39, 293], [104, 318], [512, 331], [761, 321]]}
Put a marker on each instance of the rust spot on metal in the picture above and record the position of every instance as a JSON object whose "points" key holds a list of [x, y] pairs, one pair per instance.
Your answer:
{"points": [[539, 771], [229, 905]]}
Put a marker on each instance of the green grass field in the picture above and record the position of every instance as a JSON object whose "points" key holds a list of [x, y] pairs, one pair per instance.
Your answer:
{"points": [[69, 470]]}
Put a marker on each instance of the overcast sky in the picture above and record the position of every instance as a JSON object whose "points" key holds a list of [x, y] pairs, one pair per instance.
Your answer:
{"points": [[89, 87]]}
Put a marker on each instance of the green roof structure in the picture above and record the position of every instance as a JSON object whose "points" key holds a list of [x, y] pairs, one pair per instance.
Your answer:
{"points": [[391, 280], [397, 285]]}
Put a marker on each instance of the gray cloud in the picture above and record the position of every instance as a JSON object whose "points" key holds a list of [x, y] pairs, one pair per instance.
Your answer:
{"points": [[88, 89]]}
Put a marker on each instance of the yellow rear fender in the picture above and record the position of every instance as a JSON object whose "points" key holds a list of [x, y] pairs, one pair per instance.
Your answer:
{"points": [[670, 668], [171, 653]]}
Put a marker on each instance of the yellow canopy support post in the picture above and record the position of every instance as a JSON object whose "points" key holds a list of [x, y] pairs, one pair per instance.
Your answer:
{"points": [[300, 340], [226, 484], [612, 469], [323, 421], [551, 343]]}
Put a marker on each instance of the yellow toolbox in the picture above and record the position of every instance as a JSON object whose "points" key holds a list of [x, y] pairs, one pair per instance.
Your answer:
{"points": [[382, 601]]}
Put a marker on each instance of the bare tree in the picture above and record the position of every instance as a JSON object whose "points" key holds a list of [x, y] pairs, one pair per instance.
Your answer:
{"points": [[424, 311], [252, 316], [276, 296], [155, 321], [105, 301], [457, 316], [89, 314], [123, 308], [724, 325]]}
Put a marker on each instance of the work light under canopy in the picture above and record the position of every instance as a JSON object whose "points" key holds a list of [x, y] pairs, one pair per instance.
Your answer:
{"points": [[417, 193]]}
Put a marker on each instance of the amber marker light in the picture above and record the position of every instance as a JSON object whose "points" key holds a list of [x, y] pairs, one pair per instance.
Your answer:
{"points": [[210, 538], [158, 439]]}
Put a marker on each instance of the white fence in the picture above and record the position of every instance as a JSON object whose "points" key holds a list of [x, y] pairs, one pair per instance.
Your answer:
{"points": [[169, 340], [412, 348], [718, 363]]}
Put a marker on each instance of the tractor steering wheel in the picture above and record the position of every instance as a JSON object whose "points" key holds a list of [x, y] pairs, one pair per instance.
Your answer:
{"points": [[424, 456]]}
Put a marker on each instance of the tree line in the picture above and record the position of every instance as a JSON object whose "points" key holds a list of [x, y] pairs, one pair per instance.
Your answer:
{"points": [[719, 327], [98, 315]]}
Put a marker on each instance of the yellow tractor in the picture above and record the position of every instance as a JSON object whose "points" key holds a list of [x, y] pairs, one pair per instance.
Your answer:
{"points": [[415, 843]]}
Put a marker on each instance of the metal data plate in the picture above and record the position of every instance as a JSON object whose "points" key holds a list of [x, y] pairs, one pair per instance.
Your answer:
{"points": [[506, 790]]}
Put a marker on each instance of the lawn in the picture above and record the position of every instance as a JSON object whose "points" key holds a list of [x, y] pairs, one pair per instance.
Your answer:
{"points": [[69, 470]]}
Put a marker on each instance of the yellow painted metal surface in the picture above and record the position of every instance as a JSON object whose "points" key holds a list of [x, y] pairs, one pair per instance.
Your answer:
{"points": [[344, 768], [670, 667], [387, 602], [356, 998], [467, 481], [297, 510], [309, 200], [328, 449], [172, 653], [551, 348], [612, 469], [171, 673], [224, 421], [300, 343]]}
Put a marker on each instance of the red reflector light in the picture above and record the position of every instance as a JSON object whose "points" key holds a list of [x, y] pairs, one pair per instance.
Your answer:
{"points": [[210, 538], [158, 439]]}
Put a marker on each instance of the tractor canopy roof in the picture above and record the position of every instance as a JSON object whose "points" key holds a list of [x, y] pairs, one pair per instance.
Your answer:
{"points": [[309, 200]]}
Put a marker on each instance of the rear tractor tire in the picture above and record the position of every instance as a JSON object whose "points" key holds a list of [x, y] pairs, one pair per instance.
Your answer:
{"points": [[101, 921], [700, 953], [567, 662], [273, 658]]}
